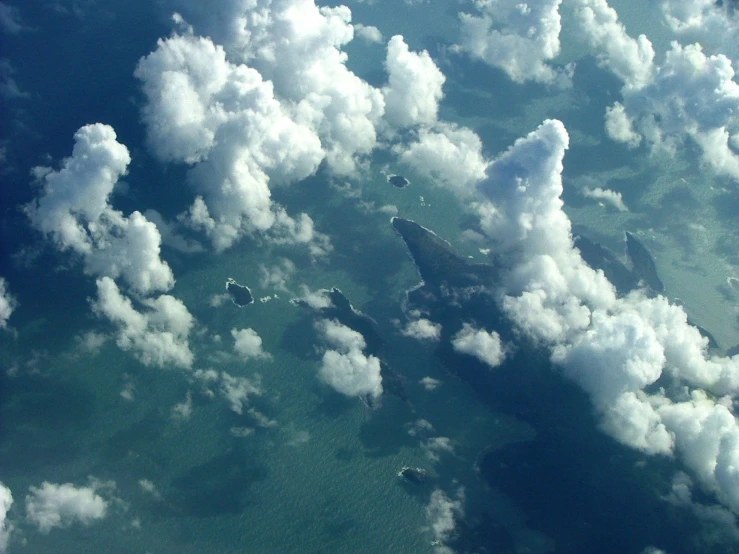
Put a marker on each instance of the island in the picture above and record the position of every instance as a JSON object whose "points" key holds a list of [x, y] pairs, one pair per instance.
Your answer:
{"points": [[415, 475], [240, 294], [598, 256], [643, 263], [398, 181]]}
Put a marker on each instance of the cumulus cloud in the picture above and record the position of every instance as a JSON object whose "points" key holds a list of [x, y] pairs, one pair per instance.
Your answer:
{"points": [[615, 349], [368, 33], [628, 58], [606, 196], [422, 329], [414, 87], [297, 45], [712, 24], [429, 383], [516, 37], [6, 528], [248, 344], [447, 155], [277, 276], [51, 506], [693, 96], [73, 210], [483, 345], [235, 390], [225, 120], [157, 335], [7, 303], [345, 367]]}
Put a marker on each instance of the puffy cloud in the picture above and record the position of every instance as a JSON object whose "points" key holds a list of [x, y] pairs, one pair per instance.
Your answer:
{"points": [[620, 127], [615, 349], [607, 196], [486, 347], [7, 303], [629, 59], [6, 501], [157, 335], [442, 512], [429, 383], [516, 37], [51, 506], [446, 154], [692, 96], [414, 85], [346, 368], [436, 446], [422, 329], [368, 33], [713, 24], [225, 119], [297, 45], [235, 390], [248, 344], [74, 211]]}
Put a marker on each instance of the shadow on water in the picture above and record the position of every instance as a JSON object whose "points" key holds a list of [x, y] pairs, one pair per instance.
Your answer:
{"points": [[384, 433], [40, 417], [217, 487], [300, 338]]}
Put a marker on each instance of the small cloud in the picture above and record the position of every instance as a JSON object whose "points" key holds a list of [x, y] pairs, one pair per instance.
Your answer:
{"points": [[436, 446], [150, 488], [248, 344], [607, 196], [368, 33], [429, 383], [57, 506], [183, 410], [442, 513], [486, 347], [6, 528], [423, 329]]}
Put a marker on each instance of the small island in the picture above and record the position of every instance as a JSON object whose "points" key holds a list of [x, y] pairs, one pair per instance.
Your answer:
{"points": [[414, 475], [643, 264], [240, 294], [398, 181]]}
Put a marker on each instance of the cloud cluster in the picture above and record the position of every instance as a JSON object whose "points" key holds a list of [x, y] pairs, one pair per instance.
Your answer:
{"points": [[235, 390], [6, 501], [51, 506], [345, 367], [607, 196], [516, 37], [615, 349], [157, 335], [693, 96], [483, 345], [74, 211], [7, 303], [248, 344]]}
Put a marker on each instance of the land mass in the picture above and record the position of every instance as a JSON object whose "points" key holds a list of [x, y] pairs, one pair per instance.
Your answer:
{"points": [[643, 263], [240, 294]]}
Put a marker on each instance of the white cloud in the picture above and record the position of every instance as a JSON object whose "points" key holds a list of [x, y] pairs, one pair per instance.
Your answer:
{"points": [[607, 196], [706, 22], [483, 345], [422, 329], [10, 20], [447, 155], [224, 119], [183, 410], [235, 390], [317, 299], [517, 37], [6, 528], [346, 368], [620, 127], [413, 92], [74, 211], [278, 275], [157, 335], [692, 96], [629, 59], [442, 512], [436, 446], [615, 349], [368, 33], [298, 46], [7, 303], [429, 383], [248, 344], [51, 506]]}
